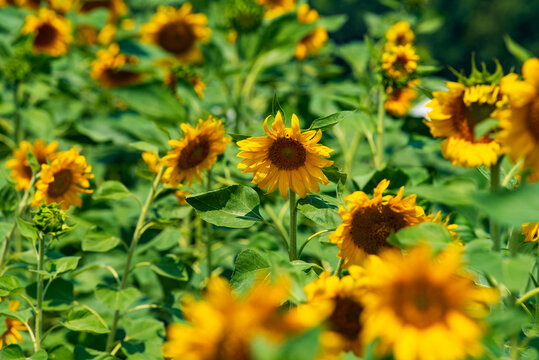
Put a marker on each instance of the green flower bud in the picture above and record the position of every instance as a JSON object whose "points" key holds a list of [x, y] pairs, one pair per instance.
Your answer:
{"points": [[244, 15], [49, 219]]}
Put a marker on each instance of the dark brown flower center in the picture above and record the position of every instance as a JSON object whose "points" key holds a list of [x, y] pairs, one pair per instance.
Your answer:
{"points": [[372, 226], [95, 4], [232, 349], [401, 39], [194, 153], [400, 63], [533, 119], [176, 37], [287, 154], [33, 4], [63, 180], [46, 35], [420, 302], [120, 77], [345, 318]]}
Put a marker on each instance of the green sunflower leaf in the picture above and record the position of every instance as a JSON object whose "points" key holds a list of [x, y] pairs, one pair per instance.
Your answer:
{"points": [[111, 190], [322, 209], [327, 122], [84, 321]]}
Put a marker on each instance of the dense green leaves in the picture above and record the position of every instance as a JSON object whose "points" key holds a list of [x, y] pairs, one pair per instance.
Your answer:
{"points": [[111, 190], [250, 266], [330, 121], [116, 299], [83, 320], [99, 242], [321, 209]]}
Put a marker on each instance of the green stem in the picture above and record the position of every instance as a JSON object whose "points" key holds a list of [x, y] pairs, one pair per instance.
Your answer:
{"points": [[379, 157], [537, 297], [131, 252], [338, 270], [495, 187], [292, 250], [310, 238], [514, 348], [19, 134], [514, 242], [20, 208], [209, 232], [40, 267]]}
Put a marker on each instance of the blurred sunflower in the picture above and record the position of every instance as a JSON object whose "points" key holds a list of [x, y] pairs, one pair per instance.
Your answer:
{"points": [[286, 158], [198, 85], [85, 34], [62, 180], [222, 324], [177, 31], [115, 7], [454, 116], [111, 68], [11, 335], [107, 34], [400, 100], [367, 223], [277, 7], [19, 166], [439, 219], [311, 43], [423, 308], [195, 151], [29, 4], [180, 196], [399, 61], [343, 331], [519, 122], [52, 33], [152, 160], [60, 6], [399, 33], [531, 231]]}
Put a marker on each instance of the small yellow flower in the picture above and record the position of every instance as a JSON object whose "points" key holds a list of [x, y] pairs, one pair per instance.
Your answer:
{"points": [[128, 24], [367, 223], [195, 151], [531, 231], [110, 68], [424, 308], [399, 101], [52, 33], [286, 158], [107, 34], [519, 122], [311, 43], [198, 85], [275, 8], [12, 335], [177, 31], [399, 34], [399, 61], [62, 180], [454, 117], [19, 166]]}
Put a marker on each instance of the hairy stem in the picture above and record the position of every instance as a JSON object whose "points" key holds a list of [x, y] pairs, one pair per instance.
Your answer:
{"points": [[39, 297], [380, 127], [292, 250]]}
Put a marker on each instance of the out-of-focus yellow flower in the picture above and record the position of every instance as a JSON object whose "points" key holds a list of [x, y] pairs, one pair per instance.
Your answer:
{"points": [[11, 335], [286, 158], [109, 68], [29, 4], [454, 117], [311, 43], [115, 7], [62, 180], [128, 24], [275, 8], [399, 34], [399, 61], [177, 31], [52, 33], [195, 151], [60, 6], [19, 165], [107, 34], [198, 85], [531, 231], [86, 34], [399, 101], [180, 195]]}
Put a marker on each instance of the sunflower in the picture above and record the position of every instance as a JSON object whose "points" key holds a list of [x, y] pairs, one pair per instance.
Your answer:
{"points": [[531, 231], [107, 34], [399, 34], [311, 43], [152, 160], [198, 85], [29, 4], [454, 116], [195, 151], [277, 7], [399, 101], [222, 324], [439, 219], [11, 335], [19, 166], [177, 31], [399, 61], [367, 223], [423, 308], [110, 68], [60, 6], [519, 122], [343, 331], [67, 175], [285, 158], [52, 33], [115, 7]]}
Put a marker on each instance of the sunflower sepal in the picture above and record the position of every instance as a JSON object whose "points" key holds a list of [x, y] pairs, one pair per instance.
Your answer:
{"points": [[50, 219], [479, 77]]}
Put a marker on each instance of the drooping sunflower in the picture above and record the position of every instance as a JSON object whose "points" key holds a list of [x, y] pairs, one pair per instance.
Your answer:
{"points": [[399, 33], [19, 166], [531, 231], [111, 68], [519, 122], [343, 330], [367, 223], [399, 61], [178, 31], [223, 324], [311, 43], [424, 308], [399, 101], [286, 158], [454, 116], [62, 180], [52, 33], [11, 335], [195, 151], [275, 8]]}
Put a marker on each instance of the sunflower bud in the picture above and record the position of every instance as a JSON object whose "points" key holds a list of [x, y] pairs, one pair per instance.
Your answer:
{"points": [[49, 219], [17, 67], [244, 15]]}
